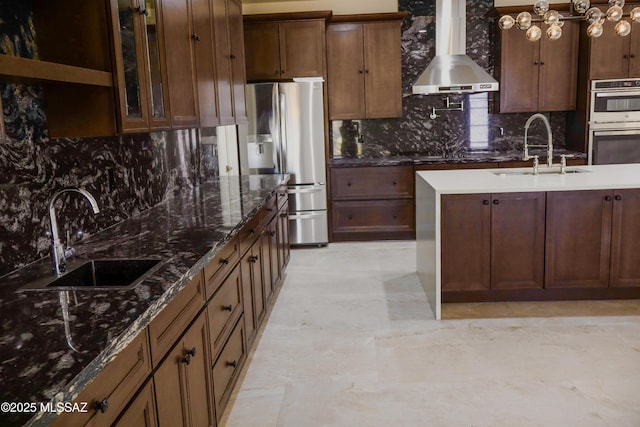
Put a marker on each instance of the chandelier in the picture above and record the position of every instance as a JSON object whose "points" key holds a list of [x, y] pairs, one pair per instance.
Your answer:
{"points": [[554, 20]]}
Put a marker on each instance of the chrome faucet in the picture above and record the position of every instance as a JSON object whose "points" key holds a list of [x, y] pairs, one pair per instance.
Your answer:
{"points": [[549, 145], [58, 252]]}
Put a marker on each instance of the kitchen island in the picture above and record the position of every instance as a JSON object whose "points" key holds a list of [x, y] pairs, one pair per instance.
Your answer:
{"points": [[55, 344], [509, 235]]}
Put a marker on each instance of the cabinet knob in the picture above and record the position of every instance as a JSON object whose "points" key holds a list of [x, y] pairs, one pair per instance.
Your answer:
{"points": [[272, 233], [233, 363], [485, 202], [142, 11], [227, 307], [632, 56], [350, 217], [192, 352], [101, 406], [535, 62], [360, 71], [496, 202], [252, 231], [366, 71], [348, 184], [277, 72], [607, 198], [232, 56], [541, 62], [395, 217], [617, 197], [394, 183], [196, 37], [625, 56], [281, 71], [253, 258], [283, 215], [224, 261], [186, 360]]}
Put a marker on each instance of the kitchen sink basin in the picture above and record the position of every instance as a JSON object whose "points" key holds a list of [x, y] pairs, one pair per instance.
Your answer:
{"points": [[100, 274], [541, 171]]}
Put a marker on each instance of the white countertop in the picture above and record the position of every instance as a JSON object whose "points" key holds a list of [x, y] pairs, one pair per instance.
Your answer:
{"points": [[596, 177]]}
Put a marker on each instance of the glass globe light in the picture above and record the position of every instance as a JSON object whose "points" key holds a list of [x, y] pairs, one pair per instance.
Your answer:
{"points": [[552, 17], [540, 7], [594, 15], [594, 30], [635, 14], [614, 14], [581, 6], [506, 22], [534, 33], [619, 3], [554, 32], [523, 20], [623, 28]]}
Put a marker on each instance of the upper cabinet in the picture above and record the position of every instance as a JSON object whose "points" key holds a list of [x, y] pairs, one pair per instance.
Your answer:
{"points": [[364, 70], [139, 63], [284, 46], [540, 75]]}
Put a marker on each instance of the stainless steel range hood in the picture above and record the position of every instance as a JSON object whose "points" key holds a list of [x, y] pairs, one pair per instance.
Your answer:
{"points": [[452, 71]]}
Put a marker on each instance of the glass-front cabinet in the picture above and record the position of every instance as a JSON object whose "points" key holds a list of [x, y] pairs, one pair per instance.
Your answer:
{"points": [[141, 76]]}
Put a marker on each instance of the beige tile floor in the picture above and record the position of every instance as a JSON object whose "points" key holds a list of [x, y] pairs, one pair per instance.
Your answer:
{"points": [[351, 341]]}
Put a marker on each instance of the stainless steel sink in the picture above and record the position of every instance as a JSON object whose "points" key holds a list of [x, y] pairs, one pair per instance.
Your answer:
{"points": [[541, 171], [100, 274]]}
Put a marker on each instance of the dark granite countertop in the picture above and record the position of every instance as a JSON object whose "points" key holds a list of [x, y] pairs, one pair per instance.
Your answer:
{"points": [[39, 362], [469, 157]]}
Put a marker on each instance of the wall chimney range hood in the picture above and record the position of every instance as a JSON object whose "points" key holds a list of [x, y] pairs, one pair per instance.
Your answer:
{"points": [[451, 70]]}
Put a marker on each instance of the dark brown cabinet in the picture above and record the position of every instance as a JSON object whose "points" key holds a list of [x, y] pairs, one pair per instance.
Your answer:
{"points": [[541, 75], [142, 411], [493, 241], [284, 49], [236, 56], [371, 203], [364, 69], [227, 367], [183, 380], [625, 239]]}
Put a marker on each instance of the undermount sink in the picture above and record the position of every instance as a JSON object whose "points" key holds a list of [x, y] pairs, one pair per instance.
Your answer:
{"points": [[100, 274], [541, 171]]}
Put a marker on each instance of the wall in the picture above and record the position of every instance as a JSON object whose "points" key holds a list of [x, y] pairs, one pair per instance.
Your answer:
{"points": [[339, 7], [454, 133], [126, 174]]}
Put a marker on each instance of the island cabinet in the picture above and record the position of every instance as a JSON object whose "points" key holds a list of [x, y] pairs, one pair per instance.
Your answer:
{"points": [[592, 239], [541, 75], [364, 67], [369, 203], [142, 411], [284, 46], [492, 241]]}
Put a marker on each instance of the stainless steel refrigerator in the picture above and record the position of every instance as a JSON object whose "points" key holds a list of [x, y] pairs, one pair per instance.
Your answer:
{"points": [[285, 134]]}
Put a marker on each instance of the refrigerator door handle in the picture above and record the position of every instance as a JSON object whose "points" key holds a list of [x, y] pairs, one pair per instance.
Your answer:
{"points": [[315, 189], [283, 133], [307, 215]]}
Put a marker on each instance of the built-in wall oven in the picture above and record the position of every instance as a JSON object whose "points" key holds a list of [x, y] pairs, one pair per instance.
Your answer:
{"points": [[614, 122]]}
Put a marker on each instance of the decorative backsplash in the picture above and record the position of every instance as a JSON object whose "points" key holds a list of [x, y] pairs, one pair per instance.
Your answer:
{"points": [[126, 174], [453, 133]]}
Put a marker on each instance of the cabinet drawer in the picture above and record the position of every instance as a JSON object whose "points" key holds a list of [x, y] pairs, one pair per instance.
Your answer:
{"points": [[389, 182], [282, 198], [224, 309], [167, 327], [268, 211], [249, 233], [220, 266], [391, 219], [115, 386], [227, 367]]}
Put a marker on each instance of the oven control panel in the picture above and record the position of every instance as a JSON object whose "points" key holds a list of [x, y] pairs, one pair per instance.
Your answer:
{"points": [[615, 84]]}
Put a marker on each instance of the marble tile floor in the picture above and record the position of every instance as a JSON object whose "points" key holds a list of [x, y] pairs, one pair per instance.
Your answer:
{"points": [[351, 341]]}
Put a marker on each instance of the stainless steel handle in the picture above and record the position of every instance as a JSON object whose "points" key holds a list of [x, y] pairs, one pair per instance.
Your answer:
{"points": [[283, 132], [615, 132], [616, 94], [307, 215], [315, 189]]}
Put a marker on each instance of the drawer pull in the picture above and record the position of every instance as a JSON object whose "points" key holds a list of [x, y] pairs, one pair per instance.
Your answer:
{"points": [[253, 258], [272, 233], [252, 231], [485, 202], [186, 360], [227, 307], [101, 406], [348, 184], [233, 363], [496, 202], [269, 210], [617, 197], [395, 183], [607, 198], [395, 217], [350, 217], [191, 352], [283, 215], [224, 261]]}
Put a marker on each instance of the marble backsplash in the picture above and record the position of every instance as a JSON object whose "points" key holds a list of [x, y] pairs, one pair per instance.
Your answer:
{"points": [[126, 174], [453, 133]]}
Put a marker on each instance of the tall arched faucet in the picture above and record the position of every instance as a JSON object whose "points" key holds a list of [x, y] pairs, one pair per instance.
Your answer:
{"points": [[57, 249], [549, 145]]}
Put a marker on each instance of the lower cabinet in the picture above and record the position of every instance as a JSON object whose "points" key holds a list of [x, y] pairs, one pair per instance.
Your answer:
{"points": [[625, 239], [252, 289], [228, 365], [142, 411], [183, 382], [284, 249]]}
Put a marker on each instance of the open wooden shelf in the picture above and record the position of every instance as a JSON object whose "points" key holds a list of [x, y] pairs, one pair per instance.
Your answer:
{"points": [[14, 68]]}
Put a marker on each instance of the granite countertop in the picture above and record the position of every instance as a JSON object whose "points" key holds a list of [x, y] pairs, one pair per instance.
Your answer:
{"points": [[594, 177], [39, 362], [469, 157]]}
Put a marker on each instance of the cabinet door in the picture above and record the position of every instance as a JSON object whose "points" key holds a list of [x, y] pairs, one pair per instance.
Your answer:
{"points": [[302, 49], [578, 239], [142, 411], [634, 54], [345, 71], [272, 232], [223, 62], [183, 384], [283, 238], [238, 68], [262, 50], [625, 239], [179, 45], [517, 240], [609, 55], [466, 242], [247, 297], [559, 70], [519, 68], [265, 251], [205, 63], [383, 73], [257, 282]]}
